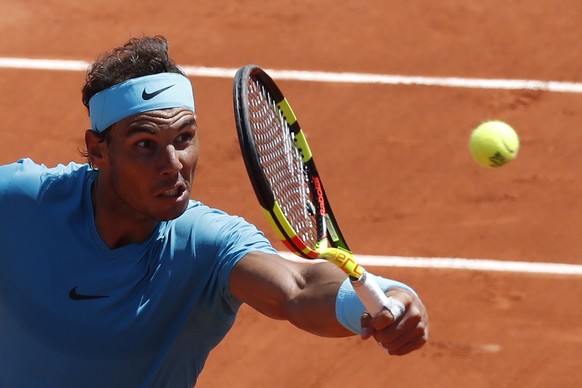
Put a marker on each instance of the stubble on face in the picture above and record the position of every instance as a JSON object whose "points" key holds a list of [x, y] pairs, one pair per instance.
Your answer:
{"points": [[150, 161]]}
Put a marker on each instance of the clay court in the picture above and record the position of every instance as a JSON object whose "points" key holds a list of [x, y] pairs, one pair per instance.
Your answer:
{"points": [[394, 158]]}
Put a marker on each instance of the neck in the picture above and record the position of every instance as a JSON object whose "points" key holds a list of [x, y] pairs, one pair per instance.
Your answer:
{"points": [[116, 223]]}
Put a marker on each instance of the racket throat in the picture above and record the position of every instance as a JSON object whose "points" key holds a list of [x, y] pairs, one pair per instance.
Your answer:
{"points": [[344, 260], [323, 245]]}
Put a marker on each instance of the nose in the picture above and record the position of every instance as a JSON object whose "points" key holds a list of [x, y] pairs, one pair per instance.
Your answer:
{"points": [[170, 160]]}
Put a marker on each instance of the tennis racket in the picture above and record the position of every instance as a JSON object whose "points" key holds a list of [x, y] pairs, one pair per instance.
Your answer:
{"points": [[280, 166]]}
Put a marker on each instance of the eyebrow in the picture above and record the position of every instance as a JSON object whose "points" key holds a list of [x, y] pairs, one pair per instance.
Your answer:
{"points": [[138, 129], [189, 123]]}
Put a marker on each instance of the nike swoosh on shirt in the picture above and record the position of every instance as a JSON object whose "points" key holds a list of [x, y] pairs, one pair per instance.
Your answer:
{"points": [[76, 296], [148, 96]]}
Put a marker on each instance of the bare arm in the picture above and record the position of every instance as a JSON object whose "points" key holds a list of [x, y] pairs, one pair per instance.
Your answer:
{"points": [[305, 295]]}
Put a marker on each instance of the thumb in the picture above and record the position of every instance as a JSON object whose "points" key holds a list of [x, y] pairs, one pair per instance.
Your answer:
{"points": [[366, 324]]}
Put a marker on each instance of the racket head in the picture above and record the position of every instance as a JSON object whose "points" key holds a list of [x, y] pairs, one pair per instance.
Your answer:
{"points": [[280, 166]]}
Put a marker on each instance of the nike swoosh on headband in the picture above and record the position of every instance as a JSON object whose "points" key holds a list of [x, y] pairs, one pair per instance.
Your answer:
{"points": [[148, 96]]}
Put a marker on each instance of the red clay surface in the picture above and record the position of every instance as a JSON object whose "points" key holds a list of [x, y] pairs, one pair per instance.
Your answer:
{"points": [[394, 159]]}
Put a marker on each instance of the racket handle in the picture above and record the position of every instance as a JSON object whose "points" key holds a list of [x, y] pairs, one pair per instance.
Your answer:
{"points": [[374, 299]]}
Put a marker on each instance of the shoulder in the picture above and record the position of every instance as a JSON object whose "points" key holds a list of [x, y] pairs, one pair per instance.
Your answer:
{"points": [[207, 225], [28, 168], [27, 177], [202, 218]]}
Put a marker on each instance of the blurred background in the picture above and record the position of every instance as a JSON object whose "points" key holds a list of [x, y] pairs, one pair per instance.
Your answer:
{"points": [[394, 159]]}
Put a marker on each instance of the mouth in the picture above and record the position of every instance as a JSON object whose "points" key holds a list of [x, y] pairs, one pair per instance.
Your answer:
{"points": [[171, 193], [175, 192]]}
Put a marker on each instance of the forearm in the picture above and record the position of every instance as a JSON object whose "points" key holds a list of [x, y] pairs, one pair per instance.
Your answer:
{"points": [[307, 296], [398, 335], [314, 308], [303, 294]]}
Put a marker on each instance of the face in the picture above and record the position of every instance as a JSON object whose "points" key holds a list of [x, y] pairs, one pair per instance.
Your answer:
{"points": [[147, 167]]}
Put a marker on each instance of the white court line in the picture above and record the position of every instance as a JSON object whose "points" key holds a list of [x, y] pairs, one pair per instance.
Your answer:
{"points": [[320, 76], [43, 64], [463, 264], [455, 82]]}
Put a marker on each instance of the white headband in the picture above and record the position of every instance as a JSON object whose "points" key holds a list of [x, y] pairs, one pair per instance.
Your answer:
{"points": [[138, 95]]}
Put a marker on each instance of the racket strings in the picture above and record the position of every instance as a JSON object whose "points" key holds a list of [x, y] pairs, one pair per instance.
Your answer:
{"points": [[282, 163]]}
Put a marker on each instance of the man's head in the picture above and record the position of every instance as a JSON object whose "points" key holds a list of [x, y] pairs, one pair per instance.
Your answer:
{"points": [[143, 136]]}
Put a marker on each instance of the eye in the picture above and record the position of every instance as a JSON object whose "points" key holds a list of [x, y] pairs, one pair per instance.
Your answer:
{"points": [[146, 144], [184, 139]]}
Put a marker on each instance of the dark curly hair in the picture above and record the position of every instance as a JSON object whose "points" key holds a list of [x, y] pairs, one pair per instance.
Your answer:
{"points": [[138, 57]]}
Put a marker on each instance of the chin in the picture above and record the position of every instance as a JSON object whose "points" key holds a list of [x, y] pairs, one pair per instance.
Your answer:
{"points": [[173, 213]]}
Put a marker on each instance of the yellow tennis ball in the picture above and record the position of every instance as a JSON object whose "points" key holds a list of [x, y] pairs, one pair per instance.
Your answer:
{"points": [[494, 143]]}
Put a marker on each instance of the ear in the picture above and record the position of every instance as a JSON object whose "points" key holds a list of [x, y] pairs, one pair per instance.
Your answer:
{"points": [[96, 148]]}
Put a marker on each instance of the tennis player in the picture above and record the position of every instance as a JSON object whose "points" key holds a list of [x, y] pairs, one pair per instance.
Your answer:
{"points": [[111, 276]]}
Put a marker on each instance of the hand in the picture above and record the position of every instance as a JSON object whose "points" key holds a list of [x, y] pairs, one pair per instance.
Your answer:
{"points": [[406, 334]]}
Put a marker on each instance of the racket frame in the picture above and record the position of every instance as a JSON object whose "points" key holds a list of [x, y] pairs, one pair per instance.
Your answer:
{"points": [[331, 244]]}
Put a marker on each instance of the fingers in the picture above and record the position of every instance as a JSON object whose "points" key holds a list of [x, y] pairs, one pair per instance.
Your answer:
{"points": [[405, 340], [400, 337], [370, 325], [407, 347]]}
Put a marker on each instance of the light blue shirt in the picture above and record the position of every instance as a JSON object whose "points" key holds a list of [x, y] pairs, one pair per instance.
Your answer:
{"points": [[74, 313]]}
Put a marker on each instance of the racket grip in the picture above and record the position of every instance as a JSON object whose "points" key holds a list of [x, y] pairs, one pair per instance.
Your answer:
{"points": [[374, 299]]}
